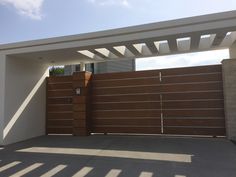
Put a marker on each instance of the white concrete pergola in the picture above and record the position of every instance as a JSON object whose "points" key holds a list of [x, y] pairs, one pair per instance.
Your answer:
{"points": [[24, 65]]}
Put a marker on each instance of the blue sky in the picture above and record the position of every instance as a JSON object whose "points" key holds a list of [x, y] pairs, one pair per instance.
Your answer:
{"points": [[36, 19]]}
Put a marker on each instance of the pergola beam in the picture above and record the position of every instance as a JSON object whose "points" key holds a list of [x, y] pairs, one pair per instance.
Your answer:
{"points": [[219, 38], [152, 47], [195, 40], [115, 52], [98, 53], [91, 55], [132, 49], [172, 44]]}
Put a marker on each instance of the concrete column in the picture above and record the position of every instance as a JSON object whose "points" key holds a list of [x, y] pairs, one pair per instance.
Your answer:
{"points": [[81, 103], [229, 82], [25, 99], [232, 51], [2, 95]]}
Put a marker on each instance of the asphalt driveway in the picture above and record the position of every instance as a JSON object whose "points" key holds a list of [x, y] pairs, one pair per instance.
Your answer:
{"points": [[112, 156]]}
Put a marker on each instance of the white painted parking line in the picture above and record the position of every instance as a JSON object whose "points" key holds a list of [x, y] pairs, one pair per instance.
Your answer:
{"points": [[54, 171], [113, 173], [10, 165], [146, 174], [83, 172], [26, 170]]}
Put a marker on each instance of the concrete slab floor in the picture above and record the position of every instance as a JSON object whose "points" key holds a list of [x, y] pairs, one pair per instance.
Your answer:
{"points": [[113, 155]]}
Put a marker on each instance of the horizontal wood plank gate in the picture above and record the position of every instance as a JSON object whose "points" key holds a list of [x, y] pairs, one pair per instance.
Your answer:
{"points": [[182, 101], [59, 105]]}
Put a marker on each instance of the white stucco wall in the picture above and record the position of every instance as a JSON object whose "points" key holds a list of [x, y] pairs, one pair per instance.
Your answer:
{"points": [[2, 93], [26, 99]]}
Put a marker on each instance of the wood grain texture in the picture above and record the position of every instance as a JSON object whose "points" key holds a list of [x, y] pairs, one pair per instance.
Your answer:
{"points": [[138, 130], [59, 116], [186, 97], [125, 75], [56, 79], [194, 131], [126, 98], [208, 77], [203, 122], [192, 70], [189, 101], [192, 101]]}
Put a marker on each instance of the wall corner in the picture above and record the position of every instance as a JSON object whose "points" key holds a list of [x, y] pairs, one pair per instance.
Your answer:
{"points": [[229, 86], [2, 94]]}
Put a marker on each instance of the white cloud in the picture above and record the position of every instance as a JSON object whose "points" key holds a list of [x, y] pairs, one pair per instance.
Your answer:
{"points": [[30, 8], [182, 60], [124, 3]]}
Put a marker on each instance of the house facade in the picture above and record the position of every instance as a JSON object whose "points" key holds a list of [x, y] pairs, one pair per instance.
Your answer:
{"points": [[103, 67], [24, 66]]}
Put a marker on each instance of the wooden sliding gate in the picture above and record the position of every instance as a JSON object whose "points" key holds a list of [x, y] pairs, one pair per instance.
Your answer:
{"points": [[192, 101], [184, 101], [180, 101]]}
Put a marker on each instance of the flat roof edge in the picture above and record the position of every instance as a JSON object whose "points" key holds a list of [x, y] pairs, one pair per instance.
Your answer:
{"points": [[126, 30]]}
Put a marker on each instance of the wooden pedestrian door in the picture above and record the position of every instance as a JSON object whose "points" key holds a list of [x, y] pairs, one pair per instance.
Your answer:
{"points": [[180, 101], [59, 105]]}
